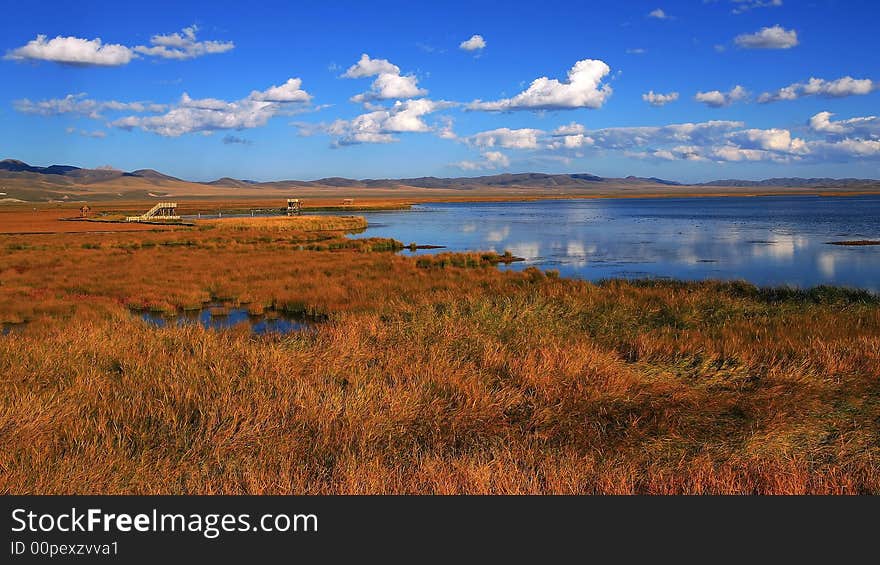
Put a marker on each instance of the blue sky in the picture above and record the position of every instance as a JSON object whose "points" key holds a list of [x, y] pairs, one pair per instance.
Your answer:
{"points": [[213, 83]]}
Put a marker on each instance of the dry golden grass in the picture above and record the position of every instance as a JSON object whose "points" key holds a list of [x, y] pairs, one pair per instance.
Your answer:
{"points": [[289, 223], [460, 379], [44, 220]]}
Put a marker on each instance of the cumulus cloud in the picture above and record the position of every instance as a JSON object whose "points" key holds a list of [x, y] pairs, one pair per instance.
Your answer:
{"points": [[718, 145], [574, 136], [584, 89], [525, 138], [699, 133], [775, 37], [183, 45], [717, 141], [72, 51], [773, 139], [856, 138], [367, 67], [93, 52], [846, 149], [388, 86], [659, 99], [742, 6], [78, 104], [206, 115], [475, 43], [290, 91], [491, 160], [573, 128], [862, 127], [659, 14], [844, 86], [389, 83], [379, 126], [718, 99], [569, 136]]}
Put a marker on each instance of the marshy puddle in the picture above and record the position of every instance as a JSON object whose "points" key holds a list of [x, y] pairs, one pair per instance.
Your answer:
{"points": [[7, 328], [218, 317]]}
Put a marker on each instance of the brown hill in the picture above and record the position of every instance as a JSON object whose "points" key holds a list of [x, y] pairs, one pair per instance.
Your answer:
{"points": [[21, 181]]}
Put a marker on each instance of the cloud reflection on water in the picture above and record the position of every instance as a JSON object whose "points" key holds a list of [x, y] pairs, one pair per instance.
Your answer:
{"points": [[768, 240]]}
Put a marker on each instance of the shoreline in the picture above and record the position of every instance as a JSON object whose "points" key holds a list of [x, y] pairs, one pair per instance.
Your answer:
{"points": [[370, 200]]}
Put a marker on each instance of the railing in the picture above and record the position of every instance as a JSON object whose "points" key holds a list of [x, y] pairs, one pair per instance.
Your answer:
{"points": [[161, 211]]}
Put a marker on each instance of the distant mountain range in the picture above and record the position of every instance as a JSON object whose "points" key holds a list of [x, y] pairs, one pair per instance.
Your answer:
{"points": [[19, 180], [81, 175], [796, 182]]}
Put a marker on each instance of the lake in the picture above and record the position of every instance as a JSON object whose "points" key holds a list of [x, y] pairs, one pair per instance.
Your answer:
{"points": [[772, 240]]}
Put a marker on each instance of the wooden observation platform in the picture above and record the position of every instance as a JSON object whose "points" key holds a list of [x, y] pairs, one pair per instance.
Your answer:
{"points": [[160, 212]]}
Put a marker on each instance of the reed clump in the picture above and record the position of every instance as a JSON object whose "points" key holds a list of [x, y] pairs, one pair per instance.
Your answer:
{"points": [[289, 223]]}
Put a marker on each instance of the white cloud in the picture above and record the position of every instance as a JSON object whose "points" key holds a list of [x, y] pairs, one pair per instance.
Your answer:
{"points": [[735, 154], [844, 86], [847, 149], [570, 129], [388, 86], [573, 141], [78, 104], [210, 114], [93, 52], [525, 138], [773, 139], [686, 137], [682, 153], [659, 14], [659, 99], [446, 131], [868, 126], [290, 91], [379, 126], [569, 136], [742, 6], [700, 133], [389, 83], [475, 43], [183, 45], [719, 141], [72, 51], [583, 90], [718, 99], [367, 67], [491, 160], [775, 37], [775, 145]]}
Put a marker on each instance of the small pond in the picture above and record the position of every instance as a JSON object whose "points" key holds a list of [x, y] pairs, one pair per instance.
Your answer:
{"points": [[218, 317]]}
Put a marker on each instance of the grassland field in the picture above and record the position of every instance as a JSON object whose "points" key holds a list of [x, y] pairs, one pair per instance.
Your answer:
{"points": [[438, 374]]}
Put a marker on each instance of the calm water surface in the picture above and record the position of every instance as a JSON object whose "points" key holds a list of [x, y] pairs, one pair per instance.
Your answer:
{"points": [[765, 240], [259, 324]]}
